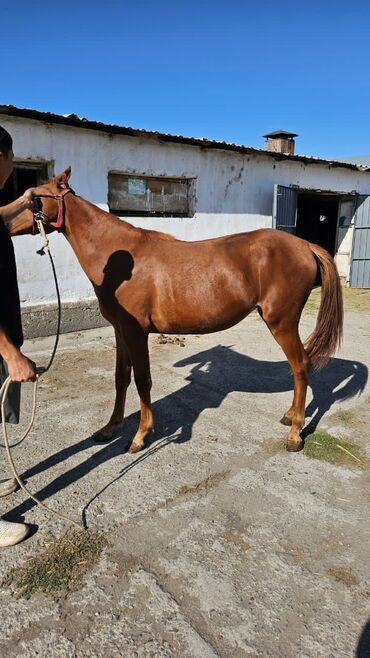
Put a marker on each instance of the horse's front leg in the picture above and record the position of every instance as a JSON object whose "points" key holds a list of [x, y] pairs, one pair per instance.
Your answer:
{"points": [[140, 362], [122, 380]]}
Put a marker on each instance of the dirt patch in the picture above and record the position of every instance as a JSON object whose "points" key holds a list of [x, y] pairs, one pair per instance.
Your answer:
{"points": [[296, 552], [125, 564], [237, 537], [203, 485], [170, 340], [274, 446], [324, 446], [344, 575], [60, 568], [347, 418]]}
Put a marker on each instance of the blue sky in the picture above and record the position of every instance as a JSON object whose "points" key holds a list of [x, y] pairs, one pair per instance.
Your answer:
{"points": [[228, 70]]}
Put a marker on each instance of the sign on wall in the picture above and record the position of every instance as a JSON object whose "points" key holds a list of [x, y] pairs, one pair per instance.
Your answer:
{"points": [[136, 186]]}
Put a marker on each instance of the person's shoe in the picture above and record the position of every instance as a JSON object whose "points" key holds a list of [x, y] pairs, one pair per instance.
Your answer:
{"points": [[8, 487], [12, 533]]}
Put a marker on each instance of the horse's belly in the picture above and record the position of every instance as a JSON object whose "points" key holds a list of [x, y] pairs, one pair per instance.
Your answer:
{"points": [[191, 319]]}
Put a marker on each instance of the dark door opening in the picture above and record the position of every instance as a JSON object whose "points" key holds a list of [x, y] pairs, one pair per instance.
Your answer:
{"points": [[21, 179], [317, 217]]}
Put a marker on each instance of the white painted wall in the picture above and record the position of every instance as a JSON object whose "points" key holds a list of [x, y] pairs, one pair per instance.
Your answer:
{"points": [[234, 192]]}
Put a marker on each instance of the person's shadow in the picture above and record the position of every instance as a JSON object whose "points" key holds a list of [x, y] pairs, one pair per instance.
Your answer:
{"points": [[216, 372], [363, 646]]}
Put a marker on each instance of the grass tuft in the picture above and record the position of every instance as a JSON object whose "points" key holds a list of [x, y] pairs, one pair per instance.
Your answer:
{"points": [[324, 446], [60, 568]]}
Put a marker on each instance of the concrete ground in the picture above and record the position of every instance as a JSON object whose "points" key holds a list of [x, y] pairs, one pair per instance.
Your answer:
{"points": [[219, 544]]}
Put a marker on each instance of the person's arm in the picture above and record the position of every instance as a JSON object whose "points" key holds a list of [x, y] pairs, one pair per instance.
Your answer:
{"points": [[20, 368], [24, 202]]}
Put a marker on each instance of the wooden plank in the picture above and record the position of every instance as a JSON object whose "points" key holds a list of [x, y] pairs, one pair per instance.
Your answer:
{"points": [[162, 196]]}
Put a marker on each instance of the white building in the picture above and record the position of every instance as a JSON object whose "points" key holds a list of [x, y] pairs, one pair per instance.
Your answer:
{"points": [[191, 188]]}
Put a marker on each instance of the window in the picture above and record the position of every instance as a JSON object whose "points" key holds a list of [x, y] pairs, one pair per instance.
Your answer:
{"points": [[148, 196], [25, 175]]}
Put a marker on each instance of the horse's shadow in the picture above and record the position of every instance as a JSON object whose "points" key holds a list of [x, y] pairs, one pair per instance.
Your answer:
{"points": [[363, 645], [216, 372]]}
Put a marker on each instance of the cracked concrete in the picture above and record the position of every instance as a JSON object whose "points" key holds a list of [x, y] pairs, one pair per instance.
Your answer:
{"points": [[220, 544]]}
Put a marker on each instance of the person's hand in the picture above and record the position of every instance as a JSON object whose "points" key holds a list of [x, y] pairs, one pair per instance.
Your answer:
{"points": [[29, 199], [21, 368]]}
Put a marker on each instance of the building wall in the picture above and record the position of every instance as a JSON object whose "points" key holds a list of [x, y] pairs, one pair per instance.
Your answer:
{"points": [[233, 191]]}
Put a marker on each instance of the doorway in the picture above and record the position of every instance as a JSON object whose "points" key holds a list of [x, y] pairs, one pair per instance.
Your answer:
{"points": [[317, 218], [24, 175]]}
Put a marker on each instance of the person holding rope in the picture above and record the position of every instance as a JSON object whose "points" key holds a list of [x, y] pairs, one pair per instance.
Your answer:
{"points": [[12, 361]]}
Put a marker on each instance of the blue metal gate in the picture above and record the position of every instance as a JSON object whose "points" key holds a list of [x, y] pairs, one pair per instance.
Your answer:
{"points": [[360, 261], [284, 214]]}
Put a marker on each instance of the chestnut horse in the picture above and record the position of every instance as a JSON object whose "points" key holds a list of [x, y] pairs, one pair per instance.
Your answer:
{"points": [[149, 282]]}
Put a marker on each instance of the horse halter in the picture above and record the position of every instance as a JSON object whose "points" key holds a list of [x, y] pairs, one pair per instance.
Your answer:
{"points": [[39, 215]]}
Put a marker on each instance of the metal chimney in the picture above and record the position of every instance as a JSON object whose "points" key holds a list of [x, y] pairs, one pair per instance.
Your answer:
{"points": [[280, 141]]}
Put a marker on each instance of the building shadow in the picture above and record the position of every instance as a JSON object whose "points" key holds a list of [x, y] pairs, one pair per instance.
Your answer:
{"points": [[363, 646], [214, 373]]}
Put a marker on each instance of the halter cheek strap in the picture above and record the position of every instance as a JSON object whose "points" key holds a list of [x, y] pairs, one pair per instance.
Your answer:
{"points": [[58, 224]]}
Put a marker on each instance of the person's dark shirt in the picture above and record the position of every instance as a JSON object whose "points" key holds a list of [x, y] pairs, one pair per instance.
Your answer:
{"points": [[10, 310]]}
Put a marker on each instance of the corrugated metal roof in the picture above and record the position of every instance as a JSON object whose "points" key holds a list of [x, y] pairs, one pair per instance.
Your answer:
{"points": [[202, 142]]}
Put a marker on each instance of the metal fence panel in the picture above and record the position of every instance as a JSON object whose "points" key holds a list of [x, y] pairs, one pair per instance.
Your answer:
{"points": [[360, 261]]}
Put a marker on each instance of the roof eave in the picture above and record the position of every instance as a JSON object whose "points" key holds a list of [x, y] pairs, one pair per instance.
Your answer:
{"points": [[76, 122]]}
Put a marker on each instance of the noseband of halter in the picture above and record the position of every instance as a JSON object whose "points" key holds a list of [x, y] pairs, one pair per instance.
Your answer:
{"points": [[40, 215]]}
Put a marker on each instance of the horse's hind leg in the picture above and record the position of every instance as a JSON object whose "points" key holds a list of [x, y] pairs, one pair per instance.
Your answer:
{"points": [[122, 380], [141, 366], [286, 334]]}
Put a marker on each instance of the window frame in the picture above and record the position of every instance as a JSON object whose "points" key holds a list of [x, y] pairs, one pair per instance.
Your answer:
{"points": [[43, 168], [189, 180]]}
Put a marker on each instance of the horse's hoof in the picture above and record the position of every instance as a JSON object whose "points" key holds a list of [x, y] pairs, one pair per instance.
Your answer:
{"points": [[285, 420], [294, 446], [98, 437], [136, 447], [102, 436]]}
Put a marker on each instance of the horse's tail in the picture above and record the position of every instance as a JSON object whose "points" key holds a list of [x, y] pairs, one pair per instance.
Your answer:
{"points": [[327, 336]]}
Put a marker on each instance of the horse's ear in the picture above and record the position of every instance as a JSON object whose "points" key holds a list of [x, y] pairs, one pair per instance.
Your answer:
{"points": [[62, 179]]}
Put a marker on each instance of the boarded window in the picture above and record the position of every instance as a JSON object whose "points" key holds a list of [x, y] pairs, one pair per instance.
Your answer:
{"points": [[149, 196], [25, 175]]}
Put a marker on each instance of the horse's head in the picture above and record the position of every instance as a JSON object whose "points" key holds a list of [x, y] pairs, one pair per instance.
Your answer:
{"points": [[49, 206]]}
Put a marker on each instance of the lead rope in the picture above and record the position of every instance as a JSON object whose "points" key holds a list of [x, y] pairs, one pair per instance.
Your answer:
{"points": [[5, 387]]}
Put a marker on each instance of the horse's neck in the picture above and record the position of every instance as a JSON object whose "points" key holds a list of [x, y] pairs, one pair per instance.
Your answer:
{"points": [[95, 234]]}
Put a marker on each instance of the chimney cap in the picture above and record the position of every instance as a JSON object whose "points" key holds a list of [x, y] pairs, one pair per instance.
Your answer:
{"points": [[280, 133]]}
